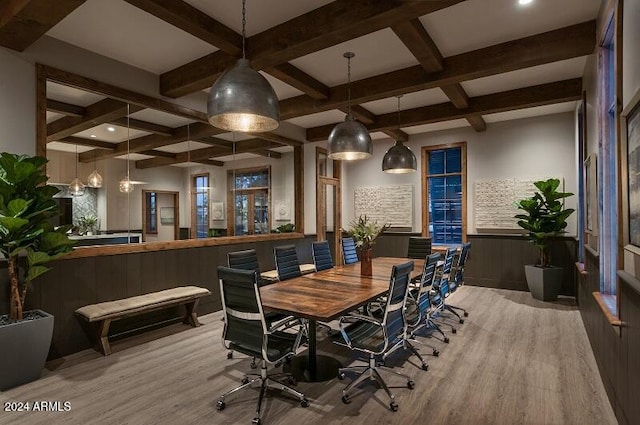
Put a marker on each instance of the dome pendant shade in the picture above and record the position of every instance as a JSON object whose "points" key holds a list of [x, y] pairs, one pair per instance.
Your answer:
{"points": [[243, 100], [399, 159], [126, 185], [349, 141], [94, 179], [76, 187]]}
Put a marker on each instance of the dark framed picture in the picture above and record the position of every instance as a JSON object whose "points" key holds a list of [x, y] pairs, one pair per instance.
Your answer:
{"points": [[633, 173]]}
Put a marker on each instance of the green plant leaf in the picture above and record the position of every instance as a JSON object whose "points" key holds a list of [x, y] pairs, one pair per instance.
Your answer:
{"points": [[35, 271], [37, 257], [13, 224], [52, 240], [17, 207]]}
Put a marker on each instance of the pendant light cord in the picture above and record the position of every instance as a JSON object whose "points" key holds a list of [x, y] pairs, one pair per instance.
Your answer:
{"points": [[77, 160], [244, 24], [348, 86], [399, 96], [128, 139]]}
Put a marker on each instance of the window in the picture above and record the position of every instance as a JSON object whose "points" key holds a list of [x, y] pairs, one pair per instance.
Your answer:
{"points": [[200, 205], [151, 222], [250, 199], [444, 193], [608, 165]]}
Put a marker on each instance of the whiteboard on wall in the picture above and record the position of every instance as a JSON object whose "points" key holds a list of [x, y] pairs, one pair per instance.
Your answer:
{"points": [[494, 202], [386, 204]]}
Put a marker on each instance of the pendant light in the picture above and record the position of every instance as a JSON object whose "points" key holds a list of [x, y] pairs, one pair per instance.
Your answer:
{"points": [[242, 99], [126, 185], [95, 179], [350, 139], [399, 159], [76, 187]]}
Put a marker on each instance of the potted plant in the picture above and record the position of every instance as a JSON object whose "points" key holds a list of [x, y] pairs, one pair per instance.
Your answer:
{"points": [[364, 233], [545, 218], [87, 224], [27, 241]]}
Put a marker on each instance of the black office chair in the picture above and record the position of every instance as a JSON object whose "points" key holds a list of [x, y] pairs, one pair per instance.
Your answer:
{"points": [[287, 263], [440, 291], [244, 260], [418, 248], [246, 331], [375, 338], [349, 254], [418, 311], [457, 274], [322, 255]]}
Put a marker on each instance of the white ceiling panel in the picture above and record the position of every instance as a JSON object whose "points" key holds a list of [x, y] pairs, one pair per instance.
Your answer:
{"points": [[120, 31], [119, 134], [445, 125], [542, 74], [66, 147], [376, 53], [235, 157], [234, 137], [282, 89], [183, 147], [531, 112], [407, 101], [71, 95], [161, 118], [378, 135], [261, 15], [321, 118], [134, 157], [283, 149], [474, 24], [52, 116]]}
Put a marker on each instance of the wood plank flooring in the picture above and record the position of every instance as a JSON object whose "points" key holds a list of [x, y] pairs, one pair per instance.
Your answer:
{"points": [[514, 361]]}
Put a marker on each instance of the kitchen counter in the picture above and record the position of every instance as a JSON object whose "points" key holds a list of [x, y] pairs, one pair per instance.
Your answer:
{"points": [[106, 239]]}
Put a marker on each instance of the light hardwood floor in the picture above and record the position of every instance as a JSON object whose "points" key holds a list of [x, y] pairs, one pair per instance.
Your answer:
{"points": [[514, 361]]}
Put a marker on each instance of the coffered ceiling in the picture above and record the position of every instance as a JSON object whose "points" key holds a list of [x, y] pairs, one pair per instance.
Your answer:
{"points": [[458, 63]]}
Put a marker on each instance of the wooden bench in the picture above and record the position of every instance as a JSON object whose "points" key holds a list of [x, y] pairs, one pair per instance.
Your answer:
{"points": [[102, 314]]}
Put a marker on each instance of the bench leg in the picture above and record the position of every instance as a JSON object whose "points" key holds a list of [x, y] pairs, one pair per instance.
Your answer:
{"points": [[191, 317], [102, 329]]}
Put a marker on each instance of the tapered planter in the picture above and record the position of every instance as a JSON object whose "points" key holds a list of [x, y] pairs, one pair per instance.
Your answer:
{"points": [[366, 268], [24, 347], [544, 282]]}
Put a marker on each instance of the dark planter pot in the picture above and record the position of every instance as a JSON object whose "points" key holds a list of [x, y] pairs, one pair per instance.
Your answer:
{"points": [[25, 346], [544, 283]]}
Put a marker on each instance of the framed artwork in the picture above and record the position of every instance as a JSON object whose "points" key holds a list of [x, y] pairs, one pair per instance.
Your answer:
{"points": [[591, 194], [167, 215], [633, 171], [217, 210]]}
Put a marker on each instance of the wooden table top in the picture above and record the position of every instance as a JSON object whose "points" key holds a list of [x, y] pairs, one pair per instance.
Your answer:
{"points": [[329, 294]]}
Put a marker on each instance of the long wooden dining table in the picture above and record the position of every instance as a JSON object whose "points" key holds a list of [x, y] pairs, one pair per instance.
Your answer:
{"points": [[325, 296]]}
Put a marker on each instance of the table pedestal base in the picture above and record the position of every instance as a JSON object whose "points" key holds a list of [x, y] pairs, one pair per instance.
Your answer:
{"points": [[326, 368]]}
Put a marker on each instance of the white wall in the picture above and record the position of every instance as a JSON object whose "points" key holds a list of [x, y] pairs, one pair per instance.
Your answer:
{"points": [[526, 148], [630, 54], [17, 104]]}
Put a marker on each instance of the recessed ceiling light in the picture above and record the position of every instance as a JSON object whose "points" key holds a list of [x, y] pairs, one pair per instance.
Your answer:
{"points": [[524, 2], [112, 129], [93, 136]]}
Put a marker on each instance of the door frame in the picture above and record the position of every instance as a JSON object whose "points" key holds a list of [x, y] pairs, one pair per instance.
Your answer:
{"points": [[176, 212], [322, 181]]}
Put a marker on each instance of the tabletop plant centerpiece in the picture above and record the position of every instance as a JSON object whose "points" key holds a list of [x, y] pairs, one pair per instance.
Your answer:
{"points": [[28, 241], [364, 233], [88, 224], [545, 219]]}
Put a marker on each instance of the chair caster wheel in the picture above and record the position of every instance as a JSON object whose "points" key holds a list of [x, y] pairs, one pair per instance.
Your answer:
{"points": [[292, 381], [220, 405], [446, 340], [341, 376], [436, 353], [253, 364], [230, 355], [346, 399], [461, 321], [411, 385], [255, 421], [304, 402], [424, 367], [393, 406], [245, 380], [454, 330], [466, 314]]}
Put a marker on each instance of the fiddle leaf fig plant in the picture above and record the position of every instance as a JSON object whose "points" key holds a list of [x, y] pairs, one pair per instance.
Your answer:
{"points": [[26, 209], [545, 216], [365, 232]]}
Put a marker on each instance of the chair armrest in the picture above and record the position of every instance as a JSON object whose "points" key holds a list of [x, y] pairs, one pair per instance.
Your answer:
{"points": [[353, 318], [287, 322]]}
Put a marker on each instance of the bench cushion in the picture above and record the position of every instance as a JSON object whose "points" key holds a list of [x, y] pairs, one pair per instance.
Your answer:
{"points": [[132, 305]]}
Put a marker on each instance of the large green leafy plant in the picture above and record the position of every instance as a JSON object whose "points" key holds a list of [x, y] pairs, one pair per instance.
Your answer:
{"points": [[365, 232], [545, 216], [26, 209]]}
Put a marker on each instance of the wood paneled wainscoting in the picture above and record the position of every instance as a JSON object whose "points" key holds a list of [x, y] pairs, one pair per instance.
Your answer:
{"points": [[496, 261], [88, 279], [616, 350]]}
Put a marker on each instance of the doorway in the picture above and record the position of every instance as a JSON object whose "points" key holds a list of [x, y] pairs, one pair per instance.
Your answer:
{"points": [[329, 202], [160, 215]]}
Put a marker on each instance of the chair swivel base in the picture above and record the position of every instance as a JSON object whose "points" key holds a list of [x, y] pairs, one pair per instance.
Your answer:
{"points": [[266, 382], [370, 371], [326, 368]]}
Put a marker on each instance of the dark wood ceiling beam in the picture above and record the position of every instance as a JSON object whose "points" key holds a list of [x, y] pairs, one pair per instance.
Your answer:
{"points": [[65, 108], [460, 99], [23, 22], [477, 122], [318, 29], [118, 93], [528, 97], [195, 131], [103, 111], [211, 162], [361, 113], [396, 134], [191, 20], [565, 43], [92, 143], [155, 152], [300, 80], [420, 44], [144, 126], [277, 139]]}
